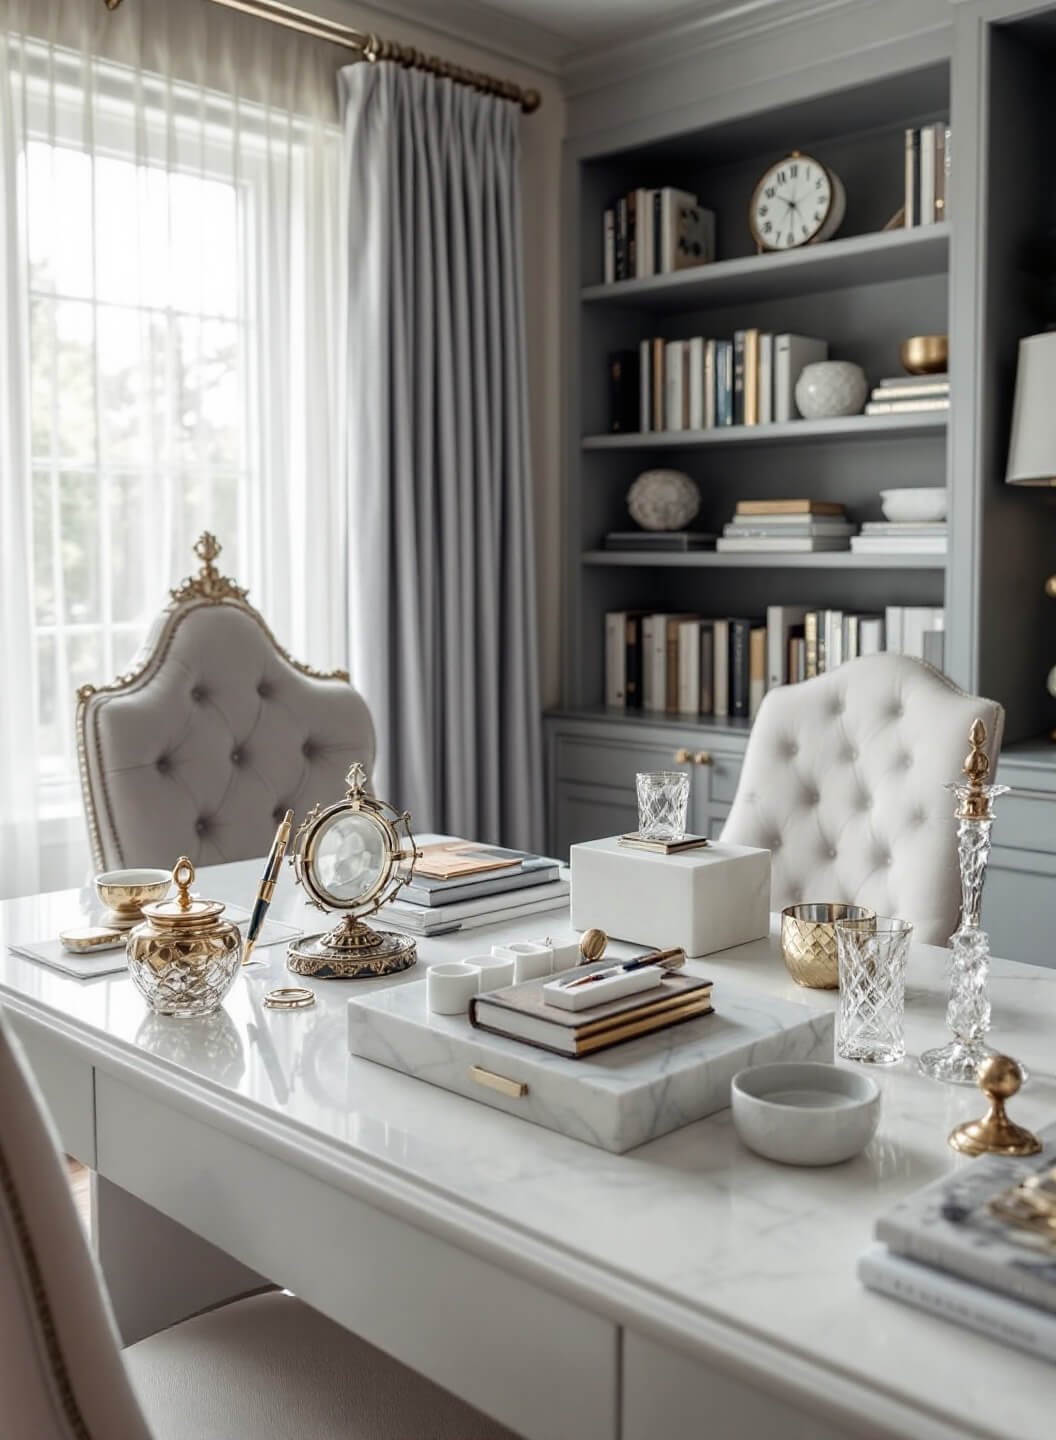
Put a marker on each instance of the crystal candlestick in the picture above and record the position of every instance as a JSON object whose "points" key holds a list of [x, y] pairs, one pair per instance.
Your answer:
{"points": [[968, 1007]]}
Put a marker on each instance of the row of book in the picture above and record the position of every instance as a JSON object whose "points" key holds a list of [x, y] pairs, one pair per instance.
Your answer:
{"points": [[972, 1248], [909, 394], [460, 885], [701, 383], [656, 232], [927, 173], [693, 666]]}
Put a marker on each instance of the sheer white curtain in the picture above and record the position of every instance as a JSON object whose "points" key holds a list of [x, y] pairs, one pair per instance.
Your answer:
{"points": [[170, 359]]}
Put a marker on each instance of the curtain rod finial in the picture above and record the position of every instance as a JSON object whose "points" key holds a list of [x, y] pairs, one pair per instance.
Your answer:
{"points": [[111, 4]]}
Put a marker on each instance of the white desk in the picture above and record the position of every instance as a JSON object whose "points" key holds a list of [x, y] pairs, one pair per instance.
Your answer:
{"points": [[685, 1288]]}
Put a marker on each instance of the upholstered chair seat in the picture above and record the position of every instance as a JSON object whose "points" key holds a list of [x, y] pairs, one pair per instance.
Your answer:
{"points": [[263, 1368], [843, 781], [213, 737]]}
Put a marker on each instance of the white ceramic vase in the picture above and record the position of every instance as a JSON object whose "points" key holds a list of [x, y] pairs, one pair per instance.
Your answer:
{"points": [[829, 388], [663, 500]]}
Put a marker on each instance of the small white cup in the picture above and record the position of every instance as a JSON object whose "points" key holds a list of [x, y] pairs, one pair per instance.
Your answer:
{"points": [[531, 960], [495, 971], [566, 953], [450, 987]]}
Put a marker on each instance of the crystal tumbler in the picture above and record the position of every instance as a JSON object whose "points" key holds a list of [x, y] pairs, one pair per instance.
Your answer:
{"points": [[871, 957], [663, 799]]}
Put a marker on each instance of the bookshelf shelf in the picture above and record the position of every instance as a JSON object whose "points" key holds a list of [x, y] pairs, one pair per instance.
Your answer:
{"points": [[846, 427], [711, 559], [836, 265]]}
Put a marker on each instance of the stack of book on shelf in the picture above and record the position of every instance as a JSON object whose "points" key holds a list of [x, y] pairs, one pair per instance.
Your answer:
{"points": [[927, 174], [659, 541], [910, 395], [656, 232], [458, 885], [691, 666], [891, 537], [951, 1250], [786, 527], [703, 384], [520, 1012]]}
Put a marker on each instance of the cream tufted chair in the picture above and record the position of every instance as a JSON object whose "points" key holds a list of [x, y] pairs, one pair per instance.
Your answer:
{"points": [[215, 734], [843, 782], [267, 1365]]}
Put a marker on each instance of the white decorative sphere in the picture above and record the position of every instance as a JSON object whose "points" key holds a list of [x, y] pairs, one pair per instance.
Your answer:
{"points": [[663, 500], [831, 387]]}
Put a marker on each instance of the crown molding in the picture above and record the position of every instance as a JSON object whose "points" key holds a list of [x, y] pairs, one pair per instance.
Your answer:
{"points": [[483, 27]]}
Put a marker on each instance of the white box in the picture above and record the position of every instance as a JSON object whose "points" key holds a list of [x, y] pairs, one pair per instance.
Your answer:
{"points": [[703, 900]]}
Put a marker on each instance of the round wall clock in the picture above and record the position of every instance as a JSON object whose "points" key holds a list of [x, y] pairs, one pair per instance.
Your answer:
{"points": [[798, 201]]}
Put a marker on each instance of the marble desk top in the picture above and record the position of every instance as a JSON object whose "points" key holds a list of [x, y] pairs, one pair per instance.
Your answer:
{"points": [[690, 1238]]}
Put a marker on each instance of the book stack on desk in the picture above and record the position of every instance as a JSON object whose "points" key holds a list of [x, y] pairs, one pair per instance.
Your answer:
{"points": [[947, 1251], [460, 885]]}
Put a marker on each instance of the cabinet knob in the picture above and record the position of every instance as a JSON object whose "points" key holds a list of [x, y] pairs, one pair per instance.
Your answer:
{"points": [[702, 757], [682, 756]]}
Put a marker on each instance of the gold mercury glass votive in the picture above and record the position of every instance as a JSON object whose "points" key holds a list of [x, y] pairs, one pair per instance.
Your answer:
{"points": [[808, 940]]}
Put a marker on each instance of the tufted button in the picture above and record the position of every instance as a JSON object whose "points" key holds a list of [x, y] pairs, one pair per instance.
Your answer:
{"points": [[236, 757], [838, 707], [163, 764], [307, 749], [198, 694], [810, 797], [887, 860], [790, 749], [832, 852], [865, 801], [917, 818], [201, 825], [905, 760], [264, 690]]}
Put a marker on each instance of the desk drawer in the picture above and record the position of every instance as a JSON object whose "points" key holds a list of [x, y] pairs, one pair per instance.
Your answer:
{"points": [[531, 1359], [65, 1080]]}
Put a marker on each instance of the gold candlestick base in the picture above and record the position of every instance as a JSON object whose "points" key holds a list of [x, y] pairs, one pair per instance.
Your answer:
{"points": [[999, 1078]]}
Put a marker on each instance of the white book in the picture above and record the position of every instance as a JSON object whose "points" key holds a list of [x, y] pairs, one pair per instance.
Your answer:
{"points": [[709, 384], [779, 622], [616, 658], [927, 177], [766, 378], [609, 247], [471, 914], [645, 386], [780, 544], [1012, 1323], [916, 620], [928, 406], [695, 406], [833, 639], [674, 398], [654, 663], [893, 628], [870, 635], [850, 637], [720, 682], [894, 545], [689, 667], [791, 354]]}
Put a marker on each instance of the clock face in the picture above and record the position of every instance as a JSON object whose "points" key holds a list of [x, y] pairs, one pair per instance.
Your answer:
{"points": [[791, 203]]}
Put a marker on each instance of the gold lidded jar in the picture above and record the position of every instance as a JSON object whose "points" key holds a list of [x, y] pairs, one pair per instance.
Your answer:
{"points": [[184, 958]]}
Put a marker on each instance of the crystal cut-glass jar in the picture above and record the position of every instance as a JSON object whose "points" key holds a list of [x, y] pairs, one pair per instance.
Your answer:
{"points": [[184, 958]]}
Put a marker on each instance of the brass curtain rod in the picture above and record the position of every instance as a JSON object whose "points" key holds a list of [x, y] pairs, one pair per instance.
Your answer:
{"points": [[371, 48]]}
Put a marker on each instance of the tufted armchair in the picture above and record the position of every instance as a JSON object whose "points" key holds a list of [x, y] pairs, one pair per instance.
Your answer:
{"points": [[214, 735], [843, 781]]}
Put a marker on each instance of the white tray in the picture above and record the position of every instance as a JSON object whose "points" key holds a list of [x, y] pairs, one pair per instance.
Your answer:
{"points": [[617, 1099]]}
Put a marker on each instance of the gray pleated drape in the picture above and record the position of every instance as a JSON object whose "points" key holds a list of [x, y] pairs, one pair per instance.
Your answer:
{"points": [[443, 605]]}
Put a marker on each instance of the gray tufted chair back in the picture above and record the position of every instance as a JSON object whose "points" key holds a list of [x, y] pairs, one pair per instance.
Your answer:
{"points": [[843, 781], [217, 732]]}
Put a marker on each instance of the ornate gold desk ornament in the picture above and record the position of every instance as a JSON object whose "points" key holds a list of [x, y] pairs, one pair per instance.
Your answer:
{"points": [[351, 858], [999, 1078], [968, 1007]]}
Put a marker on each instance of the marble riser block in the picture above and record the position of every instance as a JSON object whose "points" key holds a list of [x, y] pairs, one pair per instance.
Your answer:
{"points": [[617, 1099], [702, 900]]}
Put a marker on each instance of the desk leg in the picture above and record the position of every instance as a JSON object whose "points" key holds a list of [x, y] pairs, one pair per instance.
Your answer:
{"points": [[158, 1272]]}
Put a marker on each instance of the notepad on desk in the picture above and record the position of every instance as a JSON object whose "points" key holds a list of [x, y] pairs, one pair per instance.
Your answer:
{"points": [[520, 1012]]}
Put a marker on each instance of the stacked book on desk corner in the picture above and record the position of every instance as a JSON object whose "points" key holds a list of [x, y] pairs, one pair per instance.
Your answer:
{"points": [[459, 885], [946, 1251], [520, 1012], [910, 395], [786, 527]]}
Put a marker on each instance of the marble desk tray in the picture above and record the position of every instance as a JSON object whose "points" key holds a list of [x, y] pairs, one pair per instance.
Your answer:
{"points": [[617, 1099]]}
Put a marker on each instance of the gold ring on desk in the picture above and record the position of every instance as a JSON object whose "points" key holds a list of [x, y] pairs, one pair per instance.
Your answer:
{"points": [[290, 997]]}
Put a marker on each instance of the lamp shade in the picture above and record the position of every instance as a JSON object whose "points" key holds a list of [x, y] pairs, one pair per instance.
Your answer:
{"points": [[1032, 451]]}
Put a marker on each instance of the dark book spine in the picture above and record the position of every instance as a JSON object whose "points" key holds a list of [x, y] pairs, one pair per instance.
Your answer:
{"points": [[634, 663], [633, 221], [623, 391], [738, 377], [658, 232], [621, 238], [740, 676], [912, 196]]}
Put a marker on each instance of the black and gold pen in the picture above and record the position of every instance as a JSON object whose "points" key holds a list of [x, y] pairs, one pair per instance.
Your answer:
{"points": [[267, 885]]}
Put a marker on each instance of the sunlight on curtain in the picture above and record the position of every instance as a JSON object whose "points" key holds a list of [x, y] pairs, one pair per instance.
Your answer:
{"points": [[171, 361]]}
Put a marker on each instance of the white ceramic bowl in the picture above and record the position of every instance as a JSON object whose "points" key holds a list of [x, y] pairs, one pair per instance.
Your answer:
{"points": [[495, 971], [451, 986], [800, 1113], [921, 505]]}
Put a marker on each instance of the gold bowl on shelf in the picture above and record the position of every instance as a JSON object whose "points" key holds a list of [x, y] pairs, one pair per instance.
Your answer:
{"points": [[125, 892], [808, 940], [925, 354]]}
